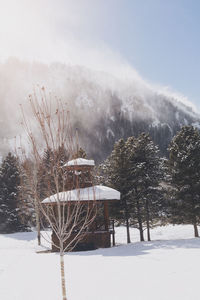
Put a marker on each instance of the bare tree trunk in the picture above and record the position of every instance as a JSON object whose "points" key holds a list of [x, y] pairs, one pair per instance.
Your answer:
{"points": [[113, 232], [62, 269], [127, 223], [140, 221], [196, 233], [147, 220]]}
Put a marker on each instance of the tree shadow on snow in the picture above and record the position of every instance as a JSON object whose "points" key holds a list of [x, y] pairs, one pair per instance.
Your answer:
{"points": [[142, 248], [23, 236]]}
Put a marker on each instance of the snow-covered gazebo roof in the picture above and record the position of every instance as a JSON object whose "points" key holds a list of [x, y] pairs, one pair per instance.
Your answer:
{"points": [[97, 192], [79, 162]]}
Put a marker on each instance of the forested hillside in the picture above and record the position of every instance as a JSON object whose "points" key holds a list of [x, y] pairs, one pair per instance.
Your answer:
{"points": [[102, 106]]}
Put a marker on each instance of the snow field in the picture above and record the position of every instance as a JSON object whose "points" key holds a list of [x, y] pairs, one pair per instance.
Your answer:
{"points": [[166, 268]]}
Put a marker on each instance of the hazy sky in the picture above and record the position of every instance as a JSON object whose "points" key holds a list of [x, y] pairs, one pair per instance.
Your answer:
{"points": [[159, 39]]}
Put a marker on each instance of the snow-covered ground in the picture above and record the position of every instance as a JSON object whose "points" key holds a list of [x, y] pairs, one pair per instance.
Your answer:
{"points": [[165, 269]]}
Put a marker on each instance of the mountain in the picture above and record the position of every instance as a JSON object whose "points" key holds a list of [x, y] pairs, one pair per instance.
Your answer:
{"points": [[107, 110], [104, 107], [121, 118]]}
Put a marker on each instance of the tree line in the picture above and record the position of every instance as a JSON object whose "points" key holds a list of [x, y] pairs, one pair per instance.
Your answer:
{"points": [[22, 186], [154, 190]]}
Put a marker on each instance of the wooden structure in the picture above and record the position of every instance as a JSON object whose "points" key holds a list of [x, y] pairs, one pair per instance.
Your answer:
{"points": [[79, 187]]}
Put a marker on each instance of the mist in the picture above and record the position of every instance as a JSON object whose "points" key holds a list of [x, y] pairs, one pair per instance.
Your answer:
{"points": [[91, 95]]}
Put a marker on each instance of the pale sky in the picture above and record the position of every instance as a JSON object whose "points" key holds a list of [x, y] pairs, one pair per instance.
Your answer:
{"points": [[157, 40]]}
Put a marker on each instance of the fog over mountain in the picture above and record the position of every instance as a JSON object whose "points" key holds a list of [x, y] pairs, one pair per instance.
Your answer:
{"points": [[103, 106]]}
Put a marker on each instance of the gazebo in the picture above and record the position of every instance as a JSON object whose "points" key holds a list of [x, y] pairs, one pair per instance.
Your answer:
{"points": [[80, 188]]}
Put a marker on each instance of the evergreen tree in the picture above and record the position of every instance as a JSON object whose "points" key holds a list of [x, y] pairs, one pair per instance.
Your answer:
{"points": [[25, 194], [134, 168], [116, 168], [61, 156], [51, 167], [10, 183], [80, 153], [45, 180], [184, 166], [145, 173]]}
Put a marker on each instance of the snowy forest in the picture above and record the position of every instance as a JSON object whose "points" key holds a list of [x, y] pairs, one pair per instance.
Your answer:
{"points": [[155, 190]]}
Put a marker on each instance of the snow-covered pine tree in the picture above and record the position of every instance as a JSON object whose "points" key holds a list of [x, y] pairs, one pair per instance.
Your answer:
{"points": [[10, 183], [145, 173], [184, 165]]}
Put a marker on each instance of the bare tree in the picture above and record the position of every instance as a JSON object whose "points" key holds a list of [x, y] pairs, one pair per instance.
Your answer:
{"points": [[66, 213]]}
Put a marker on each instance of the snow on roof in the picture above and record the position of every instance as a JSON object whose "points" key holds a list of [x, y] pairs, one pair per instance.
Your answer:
{"points": [[97, 192], [80, 162]]}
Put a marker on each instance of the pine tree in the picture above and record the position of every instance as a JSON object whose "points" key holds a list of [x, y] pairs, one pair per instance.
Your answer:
{"points": [[134, 168], [145, 173], [61, 156], [184, 166], [51, 167], [116, 169], [45, 174], [25, 194], [80, 153], [10, 184], [135, 183]]}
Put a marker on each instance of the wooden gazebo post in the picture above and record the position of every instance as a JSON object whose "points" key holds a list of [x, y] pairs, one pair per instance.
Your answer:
{"points": [[106, 215]]}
